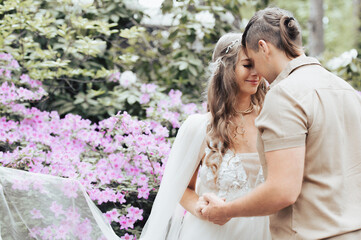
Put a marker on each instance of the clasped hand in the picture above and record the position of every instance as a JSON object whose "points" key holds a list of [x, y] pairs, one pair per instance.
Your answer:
{"points": [[210, 207]]}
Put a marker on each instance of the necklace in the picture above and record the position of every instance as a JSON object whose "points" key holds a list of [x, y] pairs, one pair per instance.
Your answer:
{"points": [[248, 110], [240, 129]]}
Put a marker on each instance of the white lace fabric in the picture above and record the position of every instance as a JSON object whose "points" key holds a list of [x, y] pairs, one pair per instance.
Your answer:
{"points": [[238, 174]]}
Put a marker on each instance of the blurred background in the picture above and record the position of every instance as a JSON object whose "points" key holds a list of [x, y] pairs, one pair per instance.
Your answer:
{"points": [[80, 48]]}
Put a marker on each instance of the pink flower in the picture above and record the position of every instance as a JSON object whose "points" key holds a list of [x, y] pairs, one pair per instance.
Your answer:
{"points": [[190, 108], [135, 213], [36, 214], [124, 222], [112, 215], [34, 232], [143, 180], [84, 229], [6, 56], [62, 231], [145, 98], [7, 73], [14, 64], [143, 192], [70, 189], [148, 88], [72, 216], [120, 198], [48, 233], [57, 209], [127, 237], [175, 97], [114, 77], [19, 184]]}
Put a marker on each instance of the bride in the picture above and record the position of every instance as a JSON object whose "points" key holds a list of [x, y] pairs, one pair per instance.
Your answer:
{"points": [[214, 152]]}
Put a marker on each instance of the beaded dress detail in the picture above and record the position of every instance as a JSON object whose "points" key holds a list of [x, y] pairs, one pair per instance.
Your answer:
{"points": [[238, 174]]}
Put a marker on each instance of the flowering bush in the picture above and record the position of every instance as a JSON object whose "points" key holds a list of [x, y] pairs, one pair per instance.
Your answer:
{"points": [[148, 101], [119, 161], [348, 67]]}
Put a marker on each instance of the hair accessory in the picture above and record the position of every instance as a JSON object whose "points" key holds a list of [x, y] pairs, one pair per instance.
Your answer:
{"points": [[230, 46], [289, 20]]}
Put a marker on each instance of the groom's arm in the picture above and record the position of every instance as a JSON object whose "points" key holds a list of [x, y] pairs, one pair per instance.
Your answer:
{"points": [[280, 189]]}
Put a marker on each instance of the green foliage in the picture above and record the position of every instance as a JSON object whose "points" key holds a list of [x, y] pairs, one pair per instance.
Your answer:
{"points": [[176, 54], [59, 42], [74, 48]]}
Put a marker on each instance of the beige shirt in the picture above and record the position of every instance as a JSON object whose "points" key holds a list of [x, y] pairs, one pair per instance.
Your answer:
{"points": [[309, 106]]}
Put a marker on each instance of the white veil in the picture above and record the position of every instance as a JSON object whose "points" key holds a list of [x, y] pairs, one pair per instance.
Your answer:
{"points": [[166, 216], [39, 206]]}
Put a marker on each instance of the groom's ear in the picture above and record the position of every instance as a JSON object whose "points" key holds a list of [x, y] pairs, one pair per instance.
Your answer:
{"points": [[263, 47]]}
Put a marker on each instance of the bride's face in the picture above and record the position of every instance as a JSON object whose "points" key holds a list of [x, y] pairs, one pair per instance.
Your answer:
{"points": [[246, 76]]}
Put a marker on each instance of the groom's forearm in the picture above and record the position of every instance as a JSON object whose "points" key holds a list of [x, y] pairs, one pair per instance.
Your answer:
{"points": [[264, 200], [281, 188]]}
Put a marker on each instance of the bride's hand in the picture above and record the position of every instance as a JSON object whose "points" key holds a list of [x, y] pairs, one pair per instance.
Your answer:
{"points": [[214, 212], [200, 204]]}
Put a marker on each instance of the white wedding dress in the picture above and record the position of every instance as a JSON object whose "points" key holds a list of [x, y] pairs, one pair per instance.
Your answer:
{"points": [[238, 174]]}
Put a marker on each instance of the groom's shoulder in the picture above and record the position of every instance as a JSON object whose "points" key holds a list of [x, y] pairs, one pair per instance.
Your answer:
{"points": [[310, 79]]}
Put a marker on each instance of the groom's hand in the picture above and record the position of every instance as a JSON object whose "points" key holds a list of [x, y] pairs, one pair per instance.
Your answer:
{"points": [[214, 211]]}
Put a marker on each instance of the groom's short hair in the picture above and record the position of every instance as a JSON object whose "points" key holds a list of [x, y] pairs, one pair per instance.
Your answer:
{"points": [[276, 26]]}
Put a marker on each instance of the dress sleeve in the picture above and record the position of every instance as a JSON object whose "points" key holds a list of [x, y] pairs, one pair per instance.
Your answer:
{"points": [[182, 162], [282, 122]]}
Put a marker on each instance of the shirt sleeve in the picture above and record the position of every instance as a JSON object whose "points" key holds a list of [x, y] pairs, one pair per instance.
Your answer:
{"points": [[282, 122]]}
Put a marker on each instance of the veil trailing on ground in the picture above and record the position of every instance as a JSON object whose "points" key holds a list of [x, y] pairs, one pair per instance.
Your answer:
{"points": [[166, 217], [39, 206]]}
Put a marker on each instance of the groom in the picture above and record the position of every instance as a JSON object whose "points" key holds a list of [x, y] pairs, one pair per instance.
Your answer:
{"points": [[309, 141]]}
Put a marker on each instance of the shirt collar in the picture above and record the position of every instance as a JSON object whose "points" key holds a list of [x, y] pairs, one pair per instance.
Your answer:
{"points": [[293, 65]]}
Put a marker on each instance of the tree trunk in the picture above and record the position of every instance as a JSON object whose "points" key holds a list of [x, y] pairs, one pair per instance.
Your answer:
{"points": [[357, 13], [316, 43]]}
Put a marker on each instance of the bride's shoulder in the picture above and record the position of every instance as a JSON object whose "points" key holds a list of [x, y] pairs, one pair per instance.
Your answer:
{"points": [[198, 118]]}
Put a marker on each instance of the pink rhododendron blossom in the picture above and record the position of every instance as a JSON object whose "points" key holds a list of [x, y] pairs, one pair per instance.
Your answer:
{"points": [[175, 96], [114, 77], [190, 108], [47, 233], [72, 216], [36, 214], [112, 215], [34, 232], [6, 56], [148, 88], [135, 213], [14, 64], [83, 230], [127, 237], [143, 192], [70, 189], [56, 208], [21, 184], [145, 98]]}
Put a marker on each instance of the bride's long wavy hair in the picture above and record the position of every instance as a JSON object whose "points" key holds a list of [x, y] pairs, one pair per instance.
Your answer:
{"points": [[222, 97]]}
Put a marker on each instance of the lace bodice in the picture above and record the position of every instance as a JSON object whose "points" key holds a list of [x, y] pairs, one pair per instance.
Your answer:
{"points": [[237, 175]]}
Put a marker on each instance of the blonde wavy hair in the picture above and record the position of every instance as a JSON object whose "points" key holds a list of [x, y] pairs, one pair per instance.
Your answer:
{"points": [[222, 97]]}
